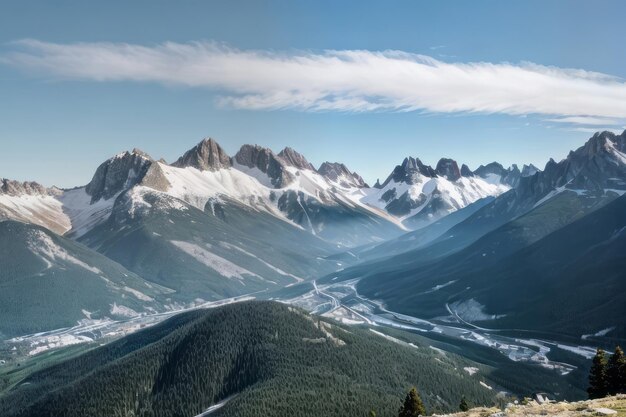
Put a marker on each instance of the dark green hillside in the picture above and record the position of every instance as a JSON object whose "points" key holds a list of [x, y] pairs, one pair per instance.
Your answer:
{"points": [[459, 249], [572, 281], [46, 281], [270, 359], [270, 249]]}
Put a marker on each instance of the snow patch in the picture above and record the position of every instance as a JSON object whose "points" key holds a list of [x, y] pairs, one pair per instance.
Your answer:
{"points": [[42, 245], [222, 266], [120, 310]]}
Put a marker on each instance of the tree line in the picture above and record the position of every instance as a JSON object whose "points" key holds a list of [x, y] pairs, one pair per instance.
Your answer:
{"points": [[607, 375]]}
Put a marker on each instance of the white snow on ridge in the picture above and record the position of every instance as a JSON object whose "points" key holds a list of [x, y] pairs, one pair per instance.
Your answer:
{"points": [[220, 265], [41, 244], [83, 215], [457, 194], [272, 267], [43, 210], [197, 187]]}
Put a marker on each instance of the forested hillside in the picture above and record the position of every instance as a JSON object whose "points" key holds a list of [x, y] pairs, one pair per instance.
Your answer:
{"points": [[267, 358]]}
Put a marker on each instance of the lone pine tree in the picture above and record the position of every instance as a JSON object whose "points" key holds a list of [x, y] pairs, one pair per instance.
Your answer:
{"points": [[413, 405], [616, 372], [463, 406], [597, 376]]}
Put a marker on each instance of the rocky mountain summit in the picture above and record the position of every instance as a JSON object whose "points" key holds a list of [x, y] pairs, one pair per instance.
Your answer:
{"points": [[339, 173], [494, 172], [448, 168], [124, 171], [295, 159], [263, 159], [207, 155]]}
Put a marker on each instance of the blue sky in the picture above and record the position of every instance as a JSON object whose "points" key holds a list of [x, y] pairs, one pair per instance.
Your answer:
{"points": [[362, 82]]}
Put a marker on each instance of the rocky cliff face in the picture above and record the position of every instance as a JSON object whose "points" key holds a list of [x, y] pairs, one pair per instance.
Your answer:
{"points": [[122, 172], [255, 156], [339, 173], [295, 159], [448, 168], [466, 171], [208, 155], [594, 169]]}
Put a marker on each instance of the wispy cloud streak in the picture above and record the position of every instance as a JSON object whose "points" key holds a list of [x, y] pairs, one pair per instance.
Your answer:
{"points": [[347, 80]]}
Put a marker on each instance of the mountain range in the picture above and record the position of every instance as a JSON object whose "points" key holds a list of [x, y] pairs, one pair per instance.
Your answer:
{"points": [[210, 226], [515, 270]]}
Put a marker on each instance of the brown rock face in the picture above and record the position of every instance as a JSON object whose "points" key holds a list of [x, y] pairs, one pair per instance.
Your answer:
{"points": [[335, 171], [117, 174], [208, 155], [295, 159], [255, 156]]}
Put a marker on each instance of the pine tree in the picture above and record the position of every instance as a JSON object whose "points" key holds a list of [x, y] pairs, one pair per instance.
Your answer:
{"points": [[413, 405], [463, 405], [597, 376], [616, 372]]}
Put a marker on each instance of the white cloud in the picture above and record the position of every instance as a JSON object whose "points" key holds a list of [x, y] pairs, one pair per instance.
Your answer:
{"points": [[348, 80], [586, 120]]}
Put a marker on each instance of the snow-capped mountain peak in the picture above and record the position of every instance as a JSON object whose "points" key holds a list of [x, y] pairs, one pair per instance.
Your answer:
{"points": [[417, 194]]}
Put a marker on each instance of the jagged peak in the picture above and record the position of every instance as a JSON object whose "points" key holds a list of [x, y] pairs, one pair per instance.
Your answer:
{"points": [[466, 171], [295, 159], [18, 188], [529, 170], [264, 159], [207, 155], [448, 168], [118, 173], [337, 171]]}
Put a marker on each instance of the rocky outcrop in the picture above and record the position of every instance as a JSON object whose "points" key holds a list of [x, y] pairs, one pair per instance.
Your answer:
{"points": [[466, 172], [295, 159], [408, 172], [596, 167], [118, 174], [207, 155], [495, 172], [255, 156], [338, 173], [17, 188], [155, 178], [448, 168], [529, 170]]}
